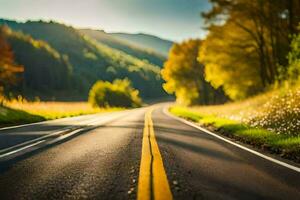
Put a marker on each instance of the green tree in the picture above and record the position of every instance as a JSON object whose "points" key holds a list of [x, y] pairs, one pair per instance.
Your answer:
{"points": [[91, 60], [294, 60], [120, 93]]}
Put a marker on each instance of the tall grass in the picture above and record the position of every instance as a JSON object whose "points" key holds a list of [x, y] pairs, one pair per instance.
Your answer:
{"points": [[277, 111], [21, 111], [280, 114], [54, 110], [10, 116], [270, 121]]}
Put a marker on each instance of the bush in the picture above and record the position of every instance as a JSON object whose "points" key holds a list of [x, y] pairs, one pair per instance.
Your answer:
{"points": [[120, 93]]}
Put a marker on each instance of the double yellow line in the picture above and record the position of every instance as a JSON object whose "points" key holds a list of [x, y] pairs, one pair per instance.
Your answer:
{"points": [[153, 182]]}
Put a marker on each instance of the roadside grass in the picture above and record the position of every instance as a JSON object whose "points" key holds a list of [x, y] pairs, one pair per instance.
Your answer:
{"points": [[10, 116], [287, 146], [20, 112], [277, 111]]}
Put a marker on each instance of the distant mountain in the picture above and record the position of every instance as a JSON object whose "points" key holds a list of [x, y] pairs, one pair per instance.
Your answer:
{"points": [[146, 41], [125, 46], [90, 59]]}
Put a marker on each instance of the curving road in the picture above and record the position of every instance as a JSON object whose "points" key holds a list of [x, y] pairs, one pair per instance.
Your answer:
{"points": [[99, 157]]}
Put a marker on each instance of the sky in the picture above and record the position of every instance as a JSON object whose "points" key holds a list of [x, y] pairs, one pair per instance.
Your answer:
{"points": [[176, 20]]}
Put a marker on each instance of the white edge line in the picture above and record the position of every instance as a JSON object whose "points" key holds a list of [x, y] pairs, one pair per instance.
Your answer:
{"points": [[41, 122], [37, 139], [166, 112], [21, 149], [38, 142], [57, 132], [69, 134], [91, 122], [23, 125]]}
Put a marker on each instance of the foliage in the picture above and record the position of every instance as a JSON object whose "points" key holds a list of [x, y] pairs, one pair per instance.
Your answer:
{"points": [[258, 29], [44, 68], [117, 94], [122, 65], [90, 60], [184, 75], [230, 60], [8, 68], [294, 60]]}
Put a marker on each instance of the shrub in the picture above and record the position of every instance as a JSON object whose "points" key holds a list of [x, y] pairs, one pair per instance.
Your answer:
{"points": [[119, 93]]}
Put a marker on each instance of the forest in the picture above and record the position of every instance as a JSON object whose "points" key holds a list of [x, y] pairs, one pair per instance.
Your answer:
{"points": [[243, 79], [251, 47], [58, 62]]}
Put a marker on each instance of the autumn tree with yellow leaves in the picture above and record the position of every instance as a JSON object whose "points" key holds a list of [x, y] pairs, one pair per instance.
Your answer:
{"points": [[246, 52], [231, 61], [246, 49], [8, 68], [184, 76]]}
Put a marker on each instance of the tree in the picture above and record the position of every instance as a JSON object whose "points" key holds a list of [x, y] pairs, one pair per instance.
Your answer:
{"points": [[117, 94], [8, 68], [294, 60], [90, 60], [184, 75], [231, 61], [266, 24]]}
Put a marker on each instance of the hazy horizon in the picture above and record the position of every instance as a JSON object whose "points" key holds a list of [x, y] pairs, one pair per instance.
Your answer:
{"points": [[91, 28], [174, 20]]}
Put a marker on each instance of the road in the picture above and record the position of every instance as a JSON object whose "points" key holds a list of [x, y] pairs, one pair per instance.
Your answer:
{"points": [[107, 156]]}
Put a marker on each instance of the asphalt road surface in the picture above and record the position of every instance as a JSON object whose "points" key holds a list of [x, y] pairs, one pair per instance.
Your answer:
{"points": [[100, 157]]}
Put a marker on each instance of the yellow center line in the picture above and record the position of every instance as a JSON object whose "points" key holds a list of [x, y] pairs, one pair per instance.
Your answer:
{"points": [[153, 181]]}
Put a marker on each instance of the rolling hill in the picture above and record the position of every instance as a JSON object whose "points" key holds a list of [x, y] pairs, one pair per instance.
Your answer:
{"points": [[125, 46], [44, 68], [92, 60], [146, 41]]}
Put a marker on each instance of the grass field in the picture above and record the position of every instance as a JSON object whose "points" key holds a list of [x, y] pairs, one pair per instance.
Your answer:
{"points": [[270, 121], [19, 112], [9, 116]]}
